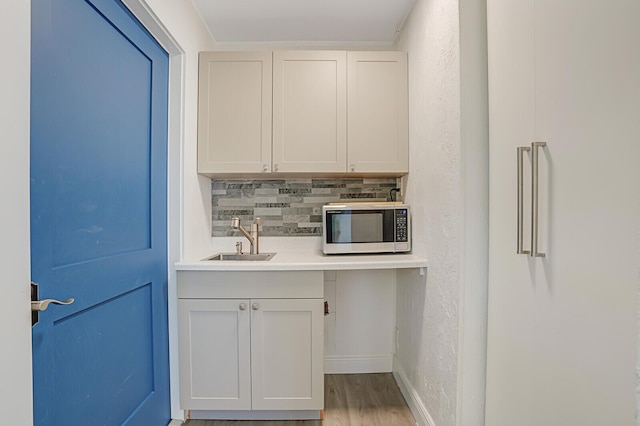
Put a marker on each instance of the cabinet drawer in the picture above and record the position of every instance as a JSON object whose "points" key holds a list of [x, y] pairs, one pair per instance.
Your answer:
{"points": [[250, 284]]}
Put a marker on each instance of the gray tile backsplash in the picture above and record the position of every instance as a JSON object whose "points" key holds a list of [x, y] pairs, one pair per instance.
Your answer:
{"points": [[287, 207]]}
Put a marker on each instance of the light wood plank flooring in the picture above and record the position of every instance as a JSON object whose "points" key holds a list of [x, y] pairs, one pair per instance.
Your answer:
{"points": [[350, 400]]}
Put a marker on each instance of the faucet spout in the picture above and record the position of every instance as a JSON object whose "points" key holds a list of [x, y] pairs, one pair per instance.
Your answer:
{"points": [[253, 236]]}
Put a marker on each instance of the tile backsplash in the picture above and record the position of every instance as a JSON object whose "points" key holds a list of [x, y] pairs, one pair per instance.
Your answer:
{"points": [[287, 207]]}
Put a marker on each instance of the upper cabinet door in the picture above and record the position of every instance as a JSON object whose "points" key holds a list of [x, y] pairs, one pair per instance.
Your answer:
{"points": [[377, 112], [234, 116], [309, 111]]}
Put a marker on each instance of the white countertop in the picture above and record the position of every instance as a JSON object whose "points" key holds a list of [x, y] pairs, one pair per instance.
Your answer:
{"points": [[308, 261]]}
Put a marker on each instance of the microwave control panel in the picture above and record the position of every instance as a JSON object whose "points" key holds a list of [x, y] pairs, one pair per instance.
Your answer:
{"points": [[402, 226]]}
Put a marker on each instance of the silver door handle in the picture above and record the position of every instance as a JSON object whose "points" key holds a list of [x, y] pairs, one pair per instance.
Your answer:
{"points": [[534, 198], [42, 305], [520, 233], [255, 306]]}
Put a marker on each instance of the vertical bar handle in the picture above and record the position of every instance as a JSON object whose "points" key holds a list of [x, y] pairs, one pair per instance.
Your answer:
{"points": [[534, 198], [520, 233]]}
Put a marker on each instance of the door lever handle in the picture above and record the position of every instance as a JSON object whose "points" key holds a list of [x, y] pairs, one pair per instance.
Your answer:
{"points": [[42, 305]]}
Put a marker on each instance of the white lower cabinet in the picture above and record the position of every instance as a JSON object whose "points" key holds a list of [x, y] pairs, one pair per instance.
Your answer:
{"points": [[249, 353], [286, 342], [215, 354]]}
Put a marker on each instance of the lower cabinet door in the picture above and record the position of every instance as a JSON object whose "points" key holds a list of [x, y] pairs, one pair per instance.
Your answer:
{"points": [[287, 354], [215, 366]]}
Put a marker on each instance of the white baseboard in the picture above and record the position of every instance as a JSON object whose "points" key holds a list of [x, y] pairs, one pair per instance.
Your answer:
{"points": [[419, 411], [352, 364], [175, 423], [255, 415]]}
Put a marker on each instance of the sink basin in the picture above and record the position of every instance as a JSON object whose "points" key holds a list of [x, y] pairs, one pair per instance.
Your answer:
{"points": [[236, 256]]}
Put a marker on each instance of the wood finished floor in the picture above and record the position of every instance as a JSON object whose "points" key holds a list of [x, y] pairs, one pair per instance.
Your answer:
{"points": [[350, 400]]}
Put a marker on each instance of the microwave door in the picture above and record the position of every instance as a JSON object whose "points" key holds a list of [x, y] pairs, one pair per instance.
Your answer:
{"points": [[359, 227], [366, 227]]}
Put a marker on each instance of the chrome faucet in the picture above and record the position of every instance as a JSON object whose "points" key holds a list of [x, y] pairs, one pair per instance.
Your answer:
{"points": [[253, 237]]}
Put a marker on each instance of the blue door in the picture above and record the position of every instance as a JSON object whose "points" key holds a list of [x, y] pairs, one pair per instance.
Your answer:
{"points": [[98, 216]]}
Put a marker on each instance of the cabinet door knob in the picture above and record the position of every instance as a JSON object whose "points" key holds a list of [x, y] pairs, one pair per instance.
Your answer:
{"points": [[352, 167], [265, 168], [255, 306], [243, 306], [276, 167]]}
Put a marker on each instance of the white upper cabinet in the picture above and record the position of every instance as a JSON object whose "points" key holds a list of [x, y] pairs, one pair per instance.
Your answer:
{"points": [[309, 111], [234, 115], [312, 112], [377, 124]]}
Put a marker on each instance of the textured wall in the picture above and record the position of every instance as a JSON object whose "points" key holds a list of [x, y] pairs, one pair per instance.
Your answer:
{"points": [[428, 315]]}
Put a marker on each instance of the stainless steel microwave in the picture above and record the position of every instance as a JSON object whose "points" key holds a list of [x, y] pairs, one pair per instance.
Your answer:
{"points": [[366, 228]]}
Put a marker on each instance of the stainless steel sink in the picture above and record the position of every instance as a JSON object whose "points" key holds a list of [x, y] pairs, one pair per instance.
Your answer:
{"points": [[236, 256]]}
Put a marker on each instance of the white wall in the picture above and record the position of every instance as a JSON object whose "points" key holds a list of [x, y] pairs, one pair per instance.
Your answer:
{"points": [[359, 332], [427, 311], [15, 321]]}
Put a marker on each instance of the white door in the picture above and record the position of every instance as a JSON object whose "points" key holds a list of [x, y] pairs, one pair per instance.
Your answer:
{"points": [[511, 311], [287, 354], [15, 328], [562, 328]]}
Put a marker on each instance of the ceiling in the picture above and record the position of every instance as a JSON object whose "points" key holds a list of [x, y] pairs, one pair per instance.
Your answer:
{"points": [[304, 21]]}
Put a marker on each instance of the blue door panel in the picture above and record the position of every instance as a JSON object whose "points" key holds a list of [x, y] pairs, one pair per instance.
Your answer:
{"points": [[98, 215], [113, 339], [103, 202]]}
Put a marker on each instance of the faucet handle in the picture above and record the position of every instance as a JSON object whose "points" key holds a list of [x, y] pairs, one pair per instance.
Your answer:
{"points": [[256, 220], [239, 247]]}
